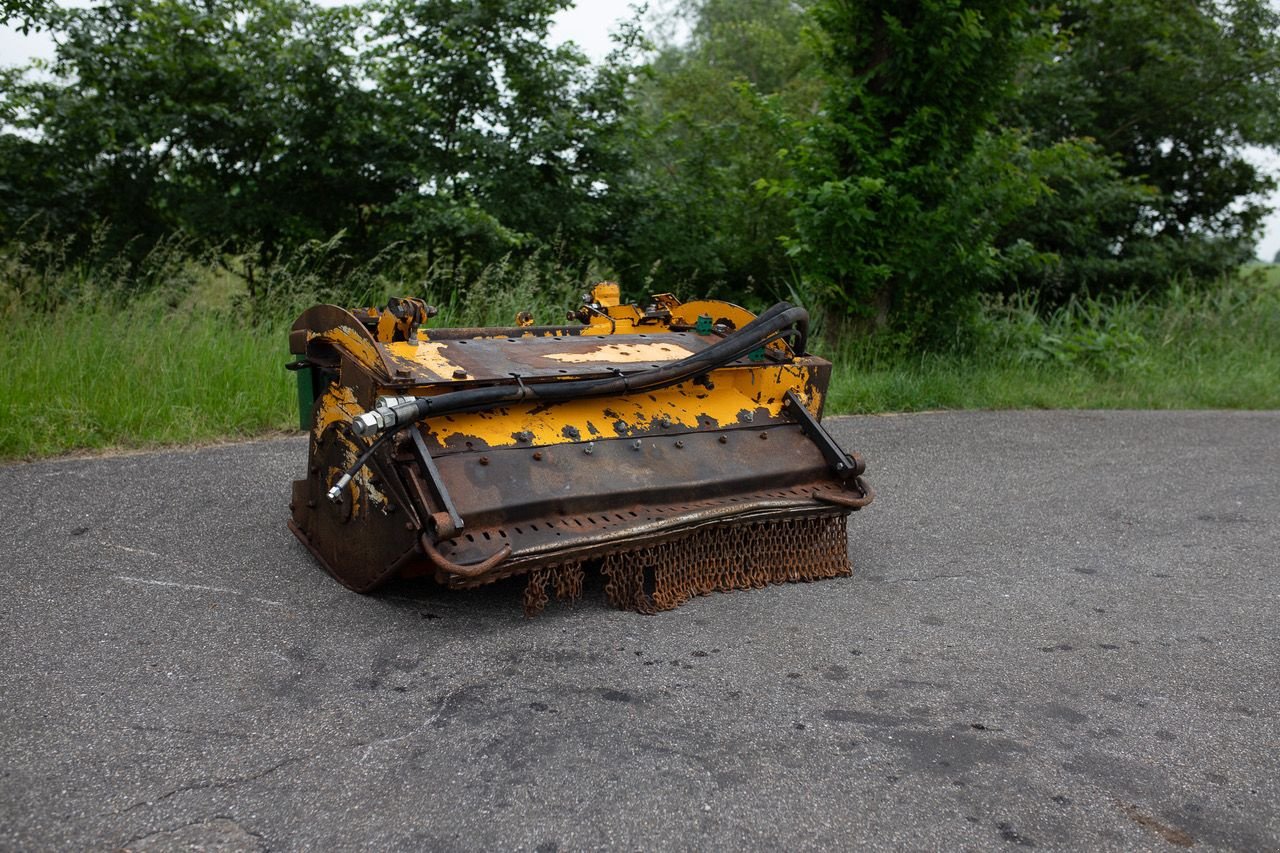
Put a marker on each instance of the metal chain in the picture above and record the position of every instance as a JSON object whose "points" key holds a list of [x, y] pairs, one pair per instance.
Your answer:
{"points": [[747, 555], [565, 579]]}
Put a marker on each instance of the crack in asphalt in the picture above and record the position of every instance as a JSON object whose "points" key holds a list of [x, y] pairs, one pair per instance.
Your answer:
{"points": [[204, 785]]}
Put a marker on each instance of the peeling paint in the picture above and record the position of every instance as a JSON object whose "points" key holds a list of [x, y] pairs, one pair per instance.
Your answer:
{"points": [[624, 354]]}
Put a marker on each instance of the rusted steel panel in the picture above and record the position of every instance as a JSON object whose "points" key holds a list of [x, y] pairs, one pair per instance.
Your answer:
{"points": [[571, 498]]}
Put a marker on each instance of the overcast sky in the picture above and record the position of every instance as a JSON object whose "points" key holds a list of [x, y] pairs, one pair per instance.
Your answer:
{"points": [[589, 24]]}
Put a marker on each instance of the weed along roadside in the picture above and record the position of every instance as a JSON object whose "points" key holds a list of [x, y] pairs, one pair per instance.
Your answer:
{"points": [[102, 373], [1193, 347]]}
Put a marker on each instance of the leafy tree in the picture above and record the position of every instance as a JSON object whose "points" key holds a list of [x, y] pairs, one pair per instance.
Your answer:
{"points": [[705, 131], [761, 42], [241, 123], [884, 198], [893, 159], [269, 123], [1173, 93], [498, 132], [24, 15], [1069, 235]]}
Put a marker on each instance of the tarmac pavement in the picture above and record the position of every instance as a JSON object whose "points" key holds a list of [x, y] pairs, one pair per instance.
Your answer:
{"points": [[1062, 632]]}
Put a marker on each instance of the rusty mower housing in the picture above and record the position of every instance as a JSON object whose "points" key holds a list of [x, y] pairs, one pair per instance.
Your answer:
{"points": [[675, 447]]}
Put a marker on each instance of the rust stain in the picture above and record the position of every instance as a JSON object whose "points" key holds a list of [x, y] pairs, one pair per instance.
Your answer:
{"points": [[1171, 834]]}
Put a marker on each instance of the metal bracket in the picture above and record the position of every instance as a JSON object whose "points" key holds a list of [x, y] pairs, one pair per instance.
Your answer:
{"points": [[844, 464], [434, 482]]}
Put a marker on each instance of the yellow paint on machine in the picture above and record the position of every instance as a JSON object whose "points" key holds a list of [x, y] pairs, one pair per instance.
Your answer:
{"points": [[337, 406], [428, 355], [355, 343], [737, 389], [685, 407]]}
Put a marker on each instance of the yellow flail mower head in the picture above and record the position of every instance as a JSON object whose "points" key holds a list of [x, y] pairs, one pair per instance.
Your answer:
{"points": [[676, 448]]}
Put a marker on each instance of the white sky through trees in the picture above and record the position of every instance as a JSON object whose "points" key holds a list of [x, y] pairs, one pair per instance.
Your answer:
{"points": [[589, 24]]}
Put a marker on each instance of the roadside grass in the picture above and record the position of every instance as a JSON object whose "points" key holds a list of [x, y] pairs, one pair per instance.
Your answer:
{"points": [[137, 377], [961, 383], [1215, 346], [172, 350], [203, 366]]}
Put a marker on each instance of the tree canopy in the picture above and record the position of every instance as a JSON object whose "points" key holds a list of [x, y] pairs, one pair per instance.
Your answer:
{"points": [[1174, 94], [890, 161]]}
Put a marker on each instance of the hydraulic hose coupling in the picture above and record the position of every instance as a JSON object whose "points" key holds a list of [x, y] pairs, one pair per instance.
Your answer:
{"points": [[387, 413], [335, 494]]}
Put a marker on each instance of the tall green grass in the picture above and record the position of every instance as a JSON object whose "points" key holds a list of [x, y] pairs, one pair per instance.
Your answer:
{"points": [[1211, 346], [112, 378], [175, 349], [93, 360]]}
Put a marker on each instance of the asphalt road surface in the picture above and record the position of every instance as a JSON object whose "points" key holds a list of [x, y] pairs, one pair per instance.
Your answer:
{"points": [[1063, 632]]}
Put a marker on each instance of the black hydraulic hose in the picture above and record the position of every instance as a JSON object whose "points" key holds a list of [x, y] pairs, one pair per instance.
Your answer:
{"points": [[731, 348], [335, 491], [759, 332], [782, 320]]}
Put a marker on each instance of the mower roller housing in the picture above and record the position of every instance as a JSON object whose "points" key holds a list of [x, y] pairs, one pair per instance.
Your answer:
{"points": [[672, 483]]}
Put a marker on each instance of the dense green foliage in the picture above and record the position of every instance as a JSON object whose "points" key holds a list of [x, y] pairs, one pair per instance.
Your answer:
{"points": [[24, 15], [706, 128], [1172, 93], [891, 164], [888, 204], [983, 147], [259, 126], [230, 122]]}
